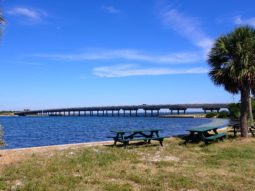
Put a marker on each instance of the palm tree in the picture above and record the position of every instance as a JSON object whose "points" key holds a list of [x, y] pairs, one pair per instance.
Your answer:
{"points": [[1, 21], [232, 64]]}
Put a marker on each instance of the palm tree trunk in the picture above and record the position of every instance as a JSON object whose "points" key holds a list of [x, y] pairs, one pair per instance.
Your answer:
{"points": [[245, 95], [250, 110]]}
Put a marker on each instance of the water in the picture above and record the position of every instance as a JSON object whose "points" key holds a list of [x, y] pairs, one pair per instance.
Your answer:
{"points": [[21, 132]]}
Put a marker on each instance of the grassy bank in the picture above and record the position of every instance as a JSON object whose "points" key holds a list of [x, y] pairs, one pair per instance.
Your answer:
{"points": [[221, 166]]}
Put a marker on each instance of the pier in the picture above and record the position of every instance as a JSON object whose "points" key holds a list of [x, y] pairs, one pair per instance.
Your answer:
{"points": [[131, 110]]}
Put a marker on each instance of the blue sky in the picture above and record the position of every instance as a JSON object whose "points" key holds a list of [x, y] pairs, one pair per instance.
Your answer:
{"points": [[89, 53]]}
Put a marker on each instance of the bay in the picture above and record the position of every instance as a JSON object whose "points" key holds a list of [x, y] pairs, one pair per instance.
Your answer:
{"points": [[23, 132]]}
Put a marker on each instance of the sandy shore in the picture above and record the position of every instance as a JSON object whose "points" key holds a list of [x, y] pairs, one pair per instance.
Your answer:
{"points": [[9, 156]]}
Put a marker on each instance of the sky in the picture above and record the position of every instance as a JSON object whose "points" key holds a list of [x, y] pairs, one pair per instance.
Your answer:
{"points": [[56, 54]]}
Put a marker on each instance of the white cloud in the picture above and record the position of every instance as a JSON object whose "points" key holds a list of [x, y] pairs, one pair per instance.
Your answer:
{"points": [[240, 21], [126, 70], [28, 13], [110, 9], [188, 27], [126, 54]]}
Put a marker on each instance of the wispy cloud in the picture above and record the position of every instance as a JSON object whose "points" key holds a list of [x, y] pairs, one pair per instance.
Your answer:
{"points": [[238, 20], [126, 70], [30, 14], [127, 54], [110, 9], [32, 63], [29, 63], [189, 27]]}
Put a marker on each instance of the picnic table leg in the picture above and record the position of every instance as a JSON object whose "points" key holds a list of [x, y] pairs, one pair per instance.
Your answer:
{"points": [[189, 137], [161, 142], [203, 137], [118, 136], [215, 131], [252, 131], [115, 139], [126, 143], [235, 131]]}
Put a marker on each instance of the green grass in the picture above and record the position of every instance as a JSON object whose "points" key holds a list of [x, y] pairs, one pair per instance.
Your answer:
{"points": [[221, 166]]}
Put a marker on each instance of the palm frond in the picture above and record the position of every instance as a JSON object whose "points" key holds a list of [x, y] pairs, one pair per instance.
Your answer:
{"points": [[232, 60], [1, 18]]}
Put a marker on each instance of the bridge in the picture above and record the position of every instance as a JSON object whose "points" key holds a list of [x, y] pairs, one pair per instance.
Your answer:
{"points": [[128, 110]]}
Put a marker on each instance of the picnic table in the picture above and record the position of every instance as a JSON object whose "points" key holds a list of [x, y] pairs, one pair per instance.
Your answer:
{"points": [[205, 134], [125, 136], [236, 128]]}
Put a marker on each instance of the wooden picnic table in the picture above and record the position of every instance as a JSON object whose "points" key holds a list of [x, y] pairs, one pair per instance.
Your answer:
{"points": [[236, 128], [204, 134], [125, 136]]}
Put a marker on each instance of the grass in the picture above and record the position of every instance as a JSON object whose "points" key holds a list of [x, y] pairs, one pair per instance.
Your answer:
{"points": [[221, 166]]}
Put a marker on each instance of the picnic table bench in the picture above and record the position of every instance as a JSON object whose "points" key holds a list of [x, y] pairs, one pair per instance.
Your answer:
{"points": [[125, 136], [203, 134]]}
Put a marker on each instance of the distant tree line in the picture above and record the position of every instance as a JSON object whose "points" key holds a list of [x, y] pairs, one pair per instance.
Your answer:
{"points": [[234, 111]]}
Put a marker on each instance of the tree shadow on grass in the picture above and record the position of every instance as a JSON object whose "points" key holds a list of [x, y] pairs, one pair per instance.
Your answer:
{"points": [[185, 139], [196, 140]]}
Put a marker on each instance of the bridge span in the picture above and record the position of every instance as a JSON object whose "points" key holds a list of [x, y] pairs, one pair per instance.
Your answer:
{"points": [[128, 110]]}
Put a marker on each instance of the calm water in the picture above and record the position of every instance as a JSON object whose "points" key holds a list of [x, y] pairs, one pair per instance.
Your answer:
{"points": [[20, 132]]}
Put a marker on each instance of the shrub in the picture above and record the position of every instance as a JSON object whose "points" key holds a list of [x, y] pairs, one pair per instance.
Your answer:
{"points": [[253, 107], [210, 115], [223, 114], [234, 110]]}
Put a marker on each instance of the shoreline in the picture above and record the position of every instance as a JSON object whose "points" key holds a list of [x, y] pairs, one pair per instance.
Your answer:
{"points": [[183, 116], [9, 156], [82, 144], [13, 155], [58, 146]]}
